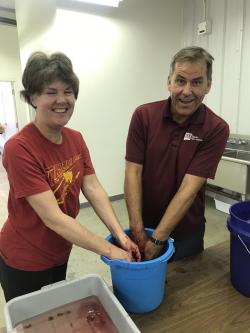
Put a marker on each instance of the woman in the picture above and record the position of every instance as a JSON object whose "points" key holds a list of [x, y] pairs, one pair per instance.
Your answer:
{"points": [[47, 166]]}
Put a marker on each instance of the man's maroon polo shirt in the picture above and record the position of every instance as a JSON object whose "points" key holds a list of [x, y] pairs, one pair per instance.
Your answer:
{"points": [[168, 151]]}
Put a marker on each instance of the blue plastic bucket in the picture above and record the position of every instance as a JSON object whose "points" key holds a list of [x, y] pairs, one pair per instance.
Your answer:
{"points": [[140, 286], [238, 224]]}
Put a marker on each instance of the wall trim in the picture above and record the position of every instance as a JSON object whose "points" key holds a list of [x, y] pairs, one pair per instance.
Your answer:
{"points": [[112, 198], [8, 21]]}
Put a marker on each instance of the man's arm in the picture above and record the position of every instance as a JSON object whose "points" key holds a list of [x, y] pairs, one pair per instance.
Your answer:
{"points": [[133, 197], [175, 211]]}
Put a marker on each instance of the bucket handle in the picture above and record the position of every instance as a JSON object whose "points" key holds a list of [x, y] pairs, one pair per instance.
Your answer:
{"points": [[244, 244]]}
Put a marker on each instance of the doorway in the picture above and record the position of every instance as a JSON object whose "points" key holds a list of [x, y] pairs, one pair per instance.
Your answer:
{"points": [[8, 116]]}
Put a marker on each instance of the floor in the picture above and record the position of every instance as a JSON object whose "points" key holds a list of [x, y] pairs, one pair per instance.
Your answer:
{"points": [[83, 262]]}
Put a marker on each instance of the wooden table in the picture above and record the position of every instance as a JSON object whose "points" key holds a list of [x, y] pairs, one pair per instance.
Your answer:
{"points": [[199, 298]]}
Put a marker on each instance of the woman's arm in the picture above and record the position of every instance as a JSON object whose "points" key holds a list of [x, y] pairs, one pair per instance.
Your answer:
{"points": [[97, 196], [45, 205]]}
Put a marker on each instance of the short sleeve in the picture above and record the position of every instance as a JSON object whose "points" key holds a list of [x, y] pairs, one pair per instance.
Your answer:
{"points": [[207, 158], [136, 139], [25, 173], [88, 165]]}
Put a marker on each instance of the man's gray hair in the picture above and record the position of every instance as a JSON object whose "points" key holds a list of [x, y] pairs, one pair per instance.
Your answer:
{"points": [[193, 54]]}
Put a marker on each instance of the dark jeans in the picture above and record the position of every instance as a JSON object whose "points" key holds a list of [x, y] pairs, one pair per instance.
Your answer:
{"points": [[190, 246], [16, 282]]}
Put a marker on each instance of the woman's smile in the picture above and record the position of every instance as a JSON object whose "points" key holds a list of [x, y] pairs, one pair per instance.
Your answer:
{"points": [[60, 110]]}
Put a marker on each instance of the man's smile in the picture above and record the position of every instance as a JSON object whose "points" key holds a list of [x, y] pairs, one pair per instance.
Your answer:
{"points": [[184, 101]]}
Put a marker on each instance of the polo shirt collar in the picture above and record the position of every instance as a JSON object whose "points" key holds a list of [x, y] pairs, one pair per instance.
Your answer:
{"points": [[197, 118]]}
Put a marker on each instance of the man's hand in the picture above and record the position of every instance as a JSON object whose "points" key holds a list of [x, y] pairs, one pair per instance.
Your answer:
{"points": [[140, 238], [152, 251]]}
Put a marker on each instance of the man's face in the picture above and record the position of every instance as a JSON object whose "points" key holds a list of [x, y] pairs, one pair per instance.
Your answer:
{"points": [[188, 85]]}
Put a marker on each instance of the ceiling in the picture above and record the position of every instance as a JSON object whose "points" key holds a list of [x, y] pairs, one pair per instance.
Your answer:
{"points": [[8, 4]]}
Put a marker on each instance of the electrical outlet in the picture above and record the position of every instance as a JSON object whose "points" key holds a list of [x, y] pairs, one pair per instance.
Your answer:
{"points": [[204, 28]]}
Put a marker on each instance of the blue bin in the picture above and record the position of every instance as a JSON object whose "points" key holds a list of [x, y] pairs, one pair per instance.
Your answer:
{"points": [[140, 286], [238, 224]]}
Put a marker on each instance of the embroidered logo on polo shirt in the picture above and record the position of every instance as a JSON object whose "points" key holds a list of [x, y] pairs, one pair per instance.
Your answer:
{"points": [[190, 136]]}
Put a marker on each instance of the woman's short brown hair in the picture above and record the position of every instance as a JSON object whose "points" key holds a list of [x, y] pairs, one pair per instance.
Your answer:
{"points": [[42, 70]]}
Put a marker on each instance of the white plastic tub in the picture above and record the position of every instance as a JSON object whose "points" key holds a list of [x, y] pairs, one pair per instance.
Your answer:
{"points": [[53, 296]]}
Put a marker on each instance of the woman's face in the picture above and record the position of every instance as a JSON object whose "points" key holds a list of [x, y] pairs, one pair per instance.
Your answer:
{"points": [[55, 105]]}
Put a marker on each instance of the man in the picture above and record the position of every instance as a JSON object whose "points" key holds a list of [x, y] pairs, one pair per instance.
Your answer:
{"points": [[173, 146]]}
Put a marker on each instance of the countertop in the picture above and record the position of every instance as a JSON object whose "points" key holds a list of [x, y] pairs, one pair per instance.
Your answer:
{"points": [[199, 298]]}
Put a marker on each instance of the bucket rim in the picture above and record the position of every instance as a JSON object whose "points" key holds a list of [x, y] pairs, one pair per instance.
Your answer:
{"points": [[139, 265], [232, 207], [236, 230]]}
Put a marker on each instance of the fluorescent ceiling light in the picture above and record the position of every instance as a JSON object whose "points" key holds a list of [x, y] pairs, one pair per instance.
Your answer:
{"points": [[112, 3]]}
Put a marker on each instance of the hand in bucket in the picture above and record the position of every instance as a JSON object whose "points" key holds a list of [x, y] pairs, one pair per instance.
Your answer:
{"points": [[128, 245], [152, 251], [140, 238]]}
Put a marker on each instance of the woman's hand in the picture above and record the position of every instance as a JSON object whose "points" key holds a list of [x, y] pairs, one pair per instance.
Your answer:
{"points": [[128, 245], [117, 253]]}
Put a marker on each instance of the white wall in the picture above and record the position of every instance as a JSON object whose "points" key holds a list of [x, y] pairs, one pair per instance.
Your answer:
{"points": [[34, 19], [10, 68], [121, 56], [229, 43]]}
